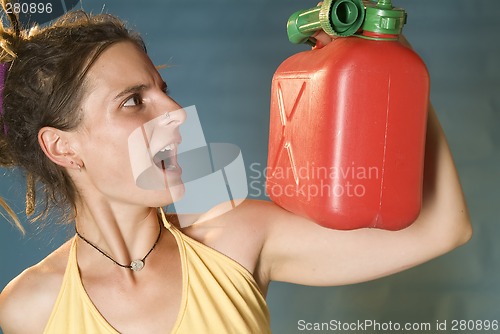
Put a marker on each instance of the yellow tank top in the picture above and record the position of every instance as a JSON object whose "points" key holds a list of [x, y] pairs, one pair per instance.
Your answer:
{"points": [[219, 296]]}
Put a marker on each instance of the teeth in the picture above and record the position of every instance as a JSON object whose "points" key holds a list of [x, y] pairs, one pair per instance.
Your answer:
{"points": [[169, 147], [165, 158]]}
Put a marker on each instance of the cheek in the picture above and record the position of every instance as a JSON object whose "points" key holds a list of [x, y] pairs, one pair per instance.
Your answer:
{"points": [[106, 157]]}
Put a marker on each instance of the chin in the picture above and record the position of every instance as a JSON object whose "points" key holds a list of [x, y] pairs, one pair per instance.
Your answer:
{"points": [[177, 192], [160, 198]]}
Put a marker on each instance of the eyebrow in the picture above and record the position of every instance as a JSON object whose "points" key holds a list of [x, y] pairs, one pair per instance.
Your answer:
{"points": [[129, 90], [135, 89]]}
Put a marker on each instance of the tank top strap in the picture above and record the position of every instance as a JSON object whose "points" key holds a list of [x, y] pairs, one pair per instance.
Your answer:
{"points": [[164, 219]]}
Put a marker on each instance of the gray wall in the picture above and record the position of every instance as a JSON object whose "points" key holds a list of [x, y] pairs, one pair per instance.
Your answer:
{"points": [[224, 54]]}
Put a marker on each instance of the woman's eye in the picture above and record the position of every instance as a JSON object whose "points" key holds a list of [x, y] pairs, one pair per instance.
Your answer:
{"points": [[133, 101]]}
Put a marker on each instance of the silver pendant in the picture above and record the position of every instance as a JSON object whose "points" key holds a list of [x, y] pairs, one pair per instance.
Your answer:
{"points": [[137, 265]]}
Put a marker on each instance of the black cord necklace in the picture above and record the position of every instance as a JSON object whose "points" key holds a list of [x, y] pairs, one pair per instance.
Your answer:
{"points": [[135, 265]]}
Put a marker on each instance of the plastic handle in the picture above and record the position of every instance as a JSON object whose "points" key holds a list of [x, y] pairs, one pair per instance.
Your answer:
{"points": [[335, 17]]}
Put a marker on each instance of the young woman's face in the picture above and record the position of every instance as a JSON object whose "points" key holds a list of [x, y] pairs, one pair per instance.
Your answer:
{"points": [[127, 96]]}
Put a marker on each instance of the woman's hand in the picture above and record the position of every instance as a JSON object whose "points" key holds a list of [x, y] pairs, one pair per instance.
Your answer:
{"points": [[322, 39]]}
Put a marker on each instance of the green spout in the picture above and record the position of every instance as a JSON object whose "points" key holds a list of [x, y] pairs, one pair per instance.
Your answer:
{"points": [[335, 17], [383, 18], [384, 4]]}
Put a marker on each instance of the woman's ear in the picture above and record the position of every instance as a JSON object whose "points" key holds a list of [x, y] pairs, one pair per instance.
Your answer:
{"points": [[56, 146]]}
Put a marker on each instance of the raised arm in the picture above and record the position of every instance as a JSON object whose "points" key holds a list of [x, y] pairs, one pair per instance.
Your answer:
{"points": [[299, 251]]}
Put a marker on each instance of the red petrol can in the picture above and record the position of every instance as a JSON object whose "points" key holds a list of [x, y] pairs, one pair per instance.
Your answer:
{"points": [[347, 133]]}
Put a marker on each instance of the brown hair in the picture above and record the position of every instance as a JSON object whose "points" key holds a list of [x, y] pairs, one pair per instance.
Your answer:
{"points": [[44, 87]]}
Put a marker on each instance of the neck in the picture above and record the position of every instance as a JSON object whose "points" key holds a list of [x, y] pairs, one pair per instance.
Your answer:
{"points": [[125, 233]]}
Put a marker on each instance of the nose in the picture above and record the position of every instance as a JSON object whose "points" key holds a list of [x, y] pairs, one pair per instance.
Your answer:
{"points": [[177, 116], [174, 114]]}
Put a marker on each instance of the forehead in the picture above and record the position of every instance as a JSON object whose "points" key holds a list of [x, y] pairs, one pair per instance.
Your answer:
{"points": [[121, 64]]}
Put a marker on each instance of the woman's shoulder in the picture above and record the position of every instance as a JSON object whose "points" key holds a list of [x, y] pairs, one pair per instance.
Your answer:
{"points": [[27, 301], [244, 211], [237, 230], [236, 218]]}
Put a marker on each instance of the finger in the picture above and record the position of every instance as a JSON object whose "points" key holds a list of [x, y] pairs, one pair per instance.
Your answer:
{"points": [[322, 38]]}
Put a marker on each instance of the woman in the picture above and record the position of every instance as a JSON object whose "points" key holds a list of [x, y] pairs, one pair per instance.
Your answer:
{"points": [[74, 93]]}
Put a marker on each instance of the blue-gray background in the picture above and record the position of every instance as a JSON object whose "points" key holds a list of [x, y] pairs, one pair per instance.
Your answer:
{"points": [[223, 55]]}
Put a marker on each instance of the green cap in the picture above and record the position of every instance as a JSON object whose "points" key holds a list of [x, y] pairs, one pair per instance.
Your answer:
{"points": [[382, 18], [335, 17]]}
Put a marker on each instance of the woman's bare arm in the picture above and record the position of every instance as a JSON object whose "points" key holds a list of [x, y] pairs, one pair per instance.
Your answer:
{"points": [[299, 251]]}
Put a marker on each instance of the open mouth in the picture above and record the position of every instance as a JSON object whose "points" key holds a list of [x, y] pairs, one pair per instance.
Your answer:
{"points": [[166, 158]]}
